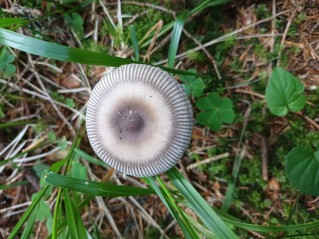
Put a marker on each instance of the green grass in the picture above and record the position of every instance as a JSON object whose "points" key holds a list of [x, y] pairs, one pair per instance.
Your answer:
{"points": [[69, 189]]}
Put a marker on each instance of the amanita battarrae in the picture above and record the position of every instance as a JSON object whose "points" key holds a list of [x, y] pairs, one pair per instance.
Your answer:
{"points": [[139, 120]]}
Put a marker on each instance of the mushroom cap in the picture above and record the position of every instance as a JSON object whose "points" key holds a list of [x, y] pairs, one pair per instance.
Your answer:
{"points": [[139, 120]]}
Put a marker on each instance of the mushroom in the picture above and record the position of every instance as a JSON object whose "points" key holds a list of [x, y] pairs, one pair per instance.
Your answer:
{"points": [[139, 120]]}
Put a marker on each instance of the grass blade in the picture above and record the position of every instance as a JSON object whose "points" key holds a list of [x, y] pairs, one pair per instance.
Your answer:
{"points": [[13, 185], [207, 3], [27, 213], [94, 188], [176, 35], [188, 231], [73, 219], [9, 21], [56, 214], [29, 226], [200, 206], [58, 52], [135, 43], [64, 53]]}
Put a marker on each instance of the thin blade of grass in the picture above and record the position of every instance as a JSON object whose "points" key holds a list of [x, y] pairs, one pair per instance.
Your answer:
{"points": [[9, 21], [80, 153], [58, 52], [19, 123], [29, 226], [27, 213], [64, 53], [55, 215], [200, 206], [94, 188], [135, 43], [207, 3], [176, 35], [188, 231], [260, 228], [13, 185], [70, 216]]}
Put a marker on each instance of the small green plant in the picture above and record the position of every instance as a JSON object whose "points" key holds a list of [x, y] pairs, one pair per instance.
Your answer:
{"points": [[75, 21], [215, 111], [284, 92], [302, 169], [193, 85], [7, 69]]}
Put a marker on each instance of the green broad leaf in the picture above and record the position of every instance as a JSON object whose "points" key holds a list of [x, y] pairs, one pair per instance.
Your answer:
{"points": [[78, 170], [193, 85], [284, 92], [200, 206], [302, 169], [74, 20], [94, 188], [70, 102], [6, 58], [215, 111], [44, 212], [63, 53]]}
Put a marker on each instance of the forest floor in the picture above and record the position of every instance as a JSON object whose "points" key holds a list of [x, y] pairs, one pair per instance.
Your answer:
{"points": [[235, 46]]}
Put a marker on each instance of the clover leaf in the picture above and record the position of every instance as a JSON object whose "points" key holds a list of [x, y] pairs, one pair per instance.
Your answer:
{"points": [[284, 92], [6, 68], [193, 85], [215, 111], [302, 169]]}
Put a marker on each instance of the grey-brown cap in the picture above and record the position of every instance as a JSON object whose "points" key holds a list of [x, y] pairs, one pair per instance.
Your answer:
{"points": [[139, 120]]}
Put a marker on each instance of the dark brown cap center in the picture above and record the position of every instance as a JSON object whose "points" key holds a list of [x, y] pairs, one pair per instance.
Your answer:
{"points": [[130, 123]]}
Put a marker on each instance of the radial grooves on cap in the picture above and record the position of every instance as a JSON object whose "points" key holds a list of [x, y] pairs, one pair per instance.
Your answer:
{"points": [[175, 98]]}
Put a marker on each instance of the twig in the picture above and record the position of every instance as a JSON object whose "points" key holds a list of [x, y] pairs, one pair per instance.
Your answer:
{"points": [[283, 39], [224, 37], [250, 93], [107, 13], [210, 57], [208, 160]]}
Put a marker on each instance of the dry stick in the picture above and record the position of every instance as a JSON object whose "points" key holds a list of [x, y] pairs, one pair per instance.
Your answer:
{"points": [[208, 160], [273, 27], [210, 57], [264, 156], [283, 39], [224, 37], [139, 231], [158, 27], [120, 23], [142, 211], [312, 122], [38, 95], [146, 216], [107, 13], [250, 93], [54, 106], [163, 9], [161, 44], [133, 18], [108, 215], [100, 202]]}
